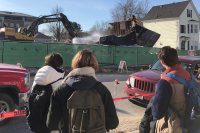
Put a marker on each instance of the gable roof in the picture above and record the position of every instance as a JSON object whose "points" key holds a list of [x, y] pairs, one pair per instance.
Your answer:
{"points": [[166, 11], [7, 13]]}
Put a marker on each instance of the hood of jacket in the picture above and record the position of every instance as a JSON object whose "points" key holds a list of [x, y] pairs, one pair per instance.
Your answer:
{"points": [[81, 78], [47, 75]]}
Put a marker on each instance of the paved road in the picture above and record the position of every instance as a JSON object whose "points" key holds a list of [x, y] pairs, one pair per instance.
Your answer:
{"points": [[129, 114]]}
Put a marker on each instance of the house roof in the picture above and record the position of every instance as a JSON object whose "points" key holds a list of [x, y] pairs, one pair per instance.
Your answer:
{"points": [[166, 11], [39, 35], [7, 13]]}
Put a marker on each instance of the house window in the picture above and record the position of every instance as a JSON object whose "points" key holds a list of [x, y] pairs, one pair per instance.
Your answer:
{"points": [[191, 47], [183, 45], [188, 45], [191, 28], [188, 29], [196, 47], [182, 28], [17, 25], [189, 13], [195, 28]]}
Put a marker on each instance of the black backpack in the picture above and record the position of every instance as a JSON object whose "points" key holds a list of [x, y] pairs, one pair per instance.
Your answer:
{"points": [[192, 94], [86, 112], [39, 101]]}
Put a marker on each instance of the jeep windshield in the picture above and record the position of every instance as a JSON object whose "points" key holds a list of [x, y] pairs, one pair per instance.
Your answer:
{"points": [[159, 67]]}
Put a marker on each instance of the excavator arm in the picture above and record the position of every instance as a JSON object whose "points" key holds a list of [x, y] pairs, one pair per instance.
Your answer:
{"points": [[31, 30]]}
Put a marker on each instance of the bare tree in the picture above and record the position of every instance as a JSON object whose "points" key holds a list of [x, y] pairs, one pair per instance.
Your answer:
{"points": [[101, 27], [57, 29], [143, 7], [126, 8]]}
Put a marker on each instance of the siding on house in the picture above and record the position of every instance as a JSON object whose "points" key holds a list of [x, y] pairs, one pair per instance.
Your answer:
{"points": [[167, 29], [192, 42], [170, 27]]}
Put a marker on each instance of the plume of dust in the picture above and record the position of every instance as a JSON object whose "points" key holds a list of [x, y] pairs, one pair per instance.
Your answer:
{"points": [[92, 39]]}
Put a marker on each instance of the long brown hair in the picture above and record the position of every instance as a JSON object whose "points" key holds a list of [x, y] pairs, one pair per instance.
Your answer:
{"points": [[85, 58]]}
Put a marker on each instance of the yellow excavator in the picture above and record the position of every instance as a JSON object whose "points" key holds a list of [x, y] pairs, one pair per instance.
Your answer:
{"points": [[27, 34]]}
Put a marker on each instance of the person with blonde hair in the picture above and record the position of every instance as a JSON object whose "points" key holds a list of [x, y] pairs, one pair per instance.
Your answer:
{"points": [[82, 77]]}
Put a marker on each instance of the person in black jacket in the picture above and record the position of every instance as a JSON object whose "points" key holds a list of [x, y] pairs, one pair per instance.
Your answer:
{"points": [[82, 76], [47, 79]]}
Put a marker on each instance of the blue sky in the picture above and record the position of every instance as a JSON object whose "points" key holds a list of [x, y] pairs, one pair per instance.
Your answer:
{"points": [[84, 12]]}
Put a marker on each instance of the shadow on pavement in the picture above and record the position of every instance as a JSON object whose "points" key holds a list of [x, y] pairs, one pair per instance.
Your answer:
{"points": [[122, 111]]}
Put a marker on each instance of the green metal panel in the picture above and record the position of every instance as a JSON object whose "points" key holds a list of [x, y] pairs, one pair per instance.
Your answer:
{"points": [[32, 54], [182, 52], [146, 56], [27, 53], [197, 52], [79, 47], [66, 50], [1, 51], [128, 54], [154, 51], [104, 54]]}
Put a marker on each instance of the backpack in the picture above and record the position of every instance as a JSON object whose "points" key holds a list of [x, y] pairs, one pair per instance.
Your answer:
{"points": [[39, 101], [86, 112], [192, 95]]}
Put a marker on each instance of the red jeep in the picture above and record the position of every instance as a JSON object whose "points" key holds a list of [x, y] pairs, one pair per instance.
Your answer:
{"points": [[14, 83], [144, 82]]}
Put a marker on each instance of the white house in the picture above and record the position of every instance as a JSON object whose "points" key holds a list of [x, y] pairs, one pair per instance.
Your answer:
{"points": [[177, 23]]}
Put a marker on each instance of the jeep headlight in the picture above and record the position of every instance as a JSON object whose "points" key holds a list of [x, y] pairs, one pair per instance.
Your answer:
{"points": [[128, 82], [132, 81], [27, 79]]}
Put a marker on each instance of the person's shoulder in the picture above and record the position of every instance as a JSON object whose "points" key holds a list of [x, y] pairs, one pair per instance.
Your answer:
{"points": [[100, 87], [162, 83], [62, 88], [45, 68], [100, 84], [163, 87]]}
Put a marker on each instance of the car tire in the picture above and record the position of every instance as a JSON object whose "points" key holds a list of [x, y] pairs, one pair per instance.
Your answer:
{"points": [[6, 104]]}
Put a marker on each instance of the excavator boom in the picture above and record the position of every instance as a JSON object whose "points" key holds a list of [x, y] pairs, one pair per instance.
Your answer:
{"points": [[28, 33], [48, 19]]}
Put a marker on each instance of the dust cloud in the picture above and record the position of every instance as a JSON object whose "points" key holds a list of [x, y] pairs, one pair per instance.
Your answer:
{"points": [[92, 39]]}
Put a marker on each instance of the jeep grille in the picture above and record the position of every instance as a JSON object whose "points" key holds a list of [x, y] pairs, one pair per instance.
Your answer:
{"points": [[144, 85]]}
